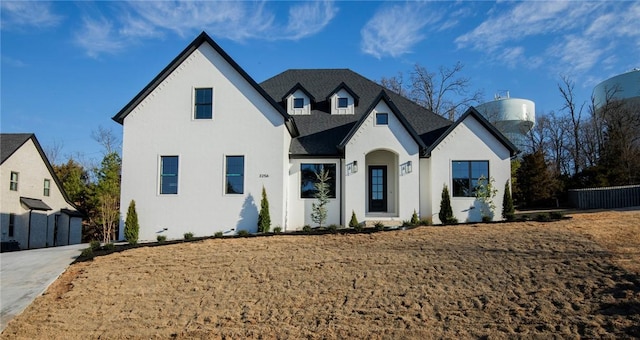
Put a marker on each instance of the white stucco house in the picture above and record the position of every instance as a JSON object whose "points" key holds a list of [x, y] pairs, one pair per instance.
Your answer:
{"points": [[34, 209], [202, 139]]}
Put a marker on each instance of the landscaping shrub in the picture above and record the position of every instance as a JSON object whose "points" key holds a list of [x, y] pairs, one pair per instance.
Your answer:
{"points": [[188, 236], [243, 233], [486, 219], [264, 219], [353, 223], [131, 226], [306, 228], [218, 234], [94, 244], [333, 228], [379, 226], [542, 218], [319, 209], [87, 252], [414, 218], [485, 192], [446, 212], [277, 230], [426, 221], [556, 215], [161, 238], [508, 211], [109, 246]]}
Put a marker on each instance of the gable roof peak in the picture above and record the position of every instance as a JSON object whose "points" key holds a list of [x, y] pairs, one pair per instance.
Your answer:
{"points": [[343, 86]]}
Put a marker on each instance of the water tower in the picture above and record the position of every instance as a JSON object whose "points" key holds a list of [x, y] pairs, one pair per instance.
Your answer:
{"points": [[625, 87], [514, 117]]}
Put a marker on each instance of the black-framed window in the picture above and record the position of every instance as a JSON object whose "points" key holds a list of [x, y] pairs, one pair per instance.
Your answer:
{"points": [[12, 224], [298, 103], [13, 184], [169, 175], [308, 179], [47, 187], [382, 118], [234, 175], [466, 175], [203, 103], [343, 102]]}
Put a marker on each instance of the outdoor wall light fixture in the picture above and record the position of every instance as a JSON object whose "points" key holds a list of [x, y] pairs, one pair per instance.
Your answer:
{"points": [[355, 166], [409, 169]]}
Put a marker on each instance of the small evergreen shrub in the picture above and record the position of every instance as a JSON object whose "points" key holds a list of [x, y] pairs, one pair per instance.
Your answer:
{"points": [[486, 219], [379, 226], [556, 215], [508, 211], [277, 230], [243, 233], [94, 244], [264, 219], [306, 228], [109, 246], [161, 238], [218, 234], [414, 218], [426, 221], [353, 223], [333, 228], [542, 218], [87, 252], [131, 226], [446, 211], [188, 236]]}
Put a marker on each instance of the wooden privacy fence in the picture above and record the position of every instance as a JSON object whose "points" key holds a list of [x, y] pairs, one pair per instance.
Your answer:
{"points": [[608, 197]]}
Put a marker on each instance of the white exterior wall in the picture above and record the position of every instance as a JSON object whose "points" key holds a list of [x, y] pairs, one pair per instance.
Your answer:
{"points": [[335, 110], [305, 110], [403, 188], [299, 213], [244, 123], [469, 141], [32, 171]]}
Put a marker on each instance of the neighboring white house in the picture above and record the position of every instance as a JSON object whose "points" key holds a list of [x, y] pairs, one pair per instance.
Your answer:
{"points": [[35, 211], [203, 138]]}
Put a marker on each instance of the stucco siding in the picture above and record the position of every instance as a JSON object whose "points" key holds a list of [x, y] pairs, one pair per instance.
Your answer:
{"points": [[243, 124], [469, 141]]}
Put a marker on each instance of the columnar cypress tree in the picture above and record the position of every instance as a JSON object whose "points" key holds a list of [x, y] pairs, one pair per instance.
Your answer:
{"points": [[354, 220], [414, 218], [319, 210], [264, 219], [508, 212], [131, 226], [446, 212]]}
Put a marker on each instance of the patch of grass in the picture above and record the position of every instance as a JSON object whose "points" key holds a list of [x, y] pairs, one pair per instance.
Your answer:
{"points": [[161, 238], [379, 226], [188, 236]]}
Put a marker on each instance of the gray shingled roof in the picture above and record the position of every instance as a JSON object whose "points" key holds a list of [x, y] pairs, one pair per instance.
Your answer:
{"points": [[10, 143], [320, 132]]}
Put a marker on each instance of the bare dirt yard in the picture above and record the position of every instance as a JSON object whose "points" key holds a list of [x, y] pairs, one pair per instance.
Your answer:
{"points": [[568, 279]]}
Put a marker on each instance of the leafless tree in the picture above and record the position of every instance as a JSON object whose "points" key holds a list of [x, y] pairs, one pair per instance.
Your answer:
{"points": [[566, 88], [445, 92], [53, 151], [106, 138]]}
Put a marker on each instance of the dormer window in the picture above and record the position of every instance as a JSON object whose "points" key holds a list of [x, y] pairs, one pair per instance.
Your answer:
{"points": [[298, 103], [343, 100], [343, 103]]}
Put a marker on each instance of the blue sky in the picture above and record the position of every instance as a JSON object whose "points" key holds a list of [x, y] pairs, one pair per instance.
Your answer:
{"points": [[68, 67]]}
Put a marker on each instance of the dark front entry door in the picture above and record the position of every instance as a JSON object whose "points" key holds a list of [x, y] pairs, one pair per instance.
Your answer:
{"points": [[378, 188]]}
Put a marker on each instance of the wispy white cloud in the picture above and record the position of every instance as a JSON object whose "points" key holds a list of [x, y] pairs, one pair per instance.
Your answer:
{"points": [[234, 20], [394, 30], [567, 37], [9, 61], [27, 14], [98, 36]]}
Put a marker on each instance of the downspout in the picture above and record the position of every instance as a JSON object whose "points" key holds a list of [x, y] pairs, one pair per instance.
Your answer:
{"points": [[29, 230], [68, 230], [341, 190]]}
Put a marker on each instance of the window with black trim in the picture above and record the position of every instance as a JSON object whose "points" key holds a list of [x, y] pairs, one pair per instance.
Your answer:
{"points": [[343, 102], [466, 175], [12, 224], [234, 175], [309, 178], [13, 184], [203, 103], [47, 187], [298, 103], [168, 175], [382, 118]]}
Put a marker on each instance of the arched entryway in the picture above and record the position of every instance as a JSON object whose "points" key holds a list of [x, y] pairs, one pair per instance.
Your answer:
{"points": [[381, 183]]}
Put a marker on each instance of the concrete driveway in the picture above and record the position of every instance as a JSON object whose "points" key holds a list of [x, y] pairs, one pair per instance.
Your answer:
{"points": [[24, 275]]}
